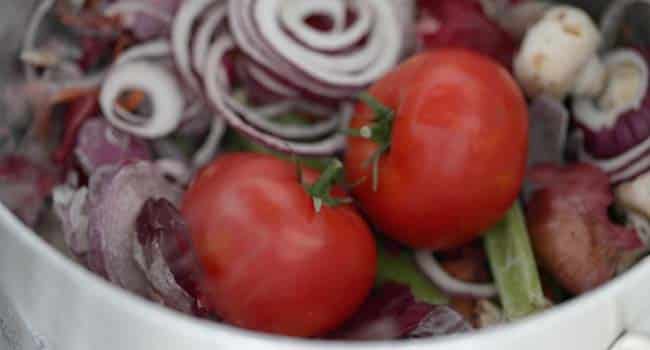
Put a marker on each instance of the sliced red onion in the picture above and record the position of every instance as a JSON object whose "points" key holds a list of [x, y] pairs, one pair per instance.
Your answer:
{"points": [[549, 125], [116, 198], [295, 132], [429, 265], [71, 207], [406, 12], [29, 40], [391, 312], [97, 185], [294, 15], [145, 19], [24, 186], [209, 148], [616, 137], [218, 97], [271, 84], [204, 35], [175, 169], [99, 144], [150, 49], [163, 250], [183, 25], [620, 96], [259, 32], [158, 84], [612, 18]]}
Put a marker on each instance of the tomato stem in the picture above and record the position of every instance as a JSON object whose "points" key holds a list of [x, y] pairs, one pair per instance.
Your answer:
{"points": [[379, 131], [320, 190]]}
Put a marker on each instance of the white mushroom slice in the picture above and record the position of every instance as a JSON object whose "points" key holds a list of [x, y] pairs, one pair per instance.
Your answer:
{"points": [[591, 80], [627, 83], [555, 50], [635, 195]]}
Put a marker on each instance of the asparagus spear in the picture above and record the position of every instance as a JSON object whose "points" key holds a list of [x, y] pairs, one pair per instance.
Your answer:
{"points": [[513, 266]]}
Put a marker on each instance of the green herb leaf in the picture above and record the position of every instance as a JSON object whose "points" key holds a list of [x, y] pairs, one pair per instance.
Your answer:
{"points": [[400, 267]]}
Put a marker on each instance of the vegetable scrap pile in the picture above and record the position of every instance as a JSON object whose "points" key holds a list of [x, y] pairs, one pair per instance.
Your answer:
{"points": [[359, 170]]}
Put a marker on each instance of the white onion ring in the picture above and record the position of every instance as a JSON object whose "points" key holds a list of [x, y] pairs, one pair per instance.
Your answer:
{"points": [[131, 7], [187, 15], [216, 93], [29, 40], [161, 87], [429, 265]]}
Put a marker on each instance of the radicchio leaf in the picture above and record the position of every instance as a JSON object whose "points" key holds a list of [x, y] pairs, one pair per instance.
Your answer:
{"points": [[163, 250], [116, 196], [24, 186], [463, 24], [572, 235], [392, 312]]}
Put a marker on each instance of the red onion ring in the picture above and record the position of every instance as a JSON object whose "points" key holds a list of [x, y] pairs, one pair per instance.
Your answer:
{"points": [[162, 88], [183, 24], [204, 35], [217, 95], [150, 49], [429, 265], [258, 34]]}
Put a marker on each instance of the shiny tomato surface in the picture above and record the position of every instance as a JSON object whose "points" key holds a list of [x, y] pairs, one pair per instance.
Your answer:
{"points": [[271, 262], [457, 151]]}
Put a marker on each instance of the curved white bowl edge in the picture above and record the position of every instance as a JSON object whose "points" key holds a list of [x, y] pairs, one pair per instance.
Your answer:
{"points": [[72, 309]]}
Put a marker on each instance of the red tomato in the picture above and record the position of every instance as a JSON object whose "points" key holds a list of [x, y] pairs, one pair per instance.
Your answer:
{"points": [[271, 262], [457, 150]]}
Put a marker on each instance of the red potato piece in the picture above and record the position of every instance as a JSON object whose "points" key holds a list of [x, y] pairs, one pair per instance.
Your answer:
{"points": [[571, 233]]}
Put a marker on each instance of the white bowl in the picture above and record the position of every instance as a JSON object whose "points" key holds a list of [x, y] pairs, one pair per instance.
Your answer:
{"points": [[69, 308], [43, 293]]}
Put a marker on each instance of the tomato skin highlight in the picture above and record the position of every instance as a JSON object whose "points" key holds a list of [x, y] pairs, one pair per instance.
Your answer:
{"points": [[458, 149], [271, 262]]}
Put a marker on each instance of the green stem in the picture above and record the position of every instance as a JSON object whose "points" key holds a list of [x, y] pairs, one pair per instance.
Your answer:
{"points": [[379, 131], [513, 266], [320, 190]]}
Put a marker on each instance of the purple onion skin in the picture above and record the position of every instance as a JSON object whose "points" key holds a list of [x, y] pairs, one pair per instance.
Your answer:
{"points": [[116, 196], [24, 186], [160, 221], [392, 312], [630, 129], [100, 144]]}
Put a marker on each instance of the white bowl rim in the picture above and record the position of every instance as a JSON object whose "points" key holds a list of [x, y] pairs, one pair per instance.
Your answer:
{"points": [[192, 326]]}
